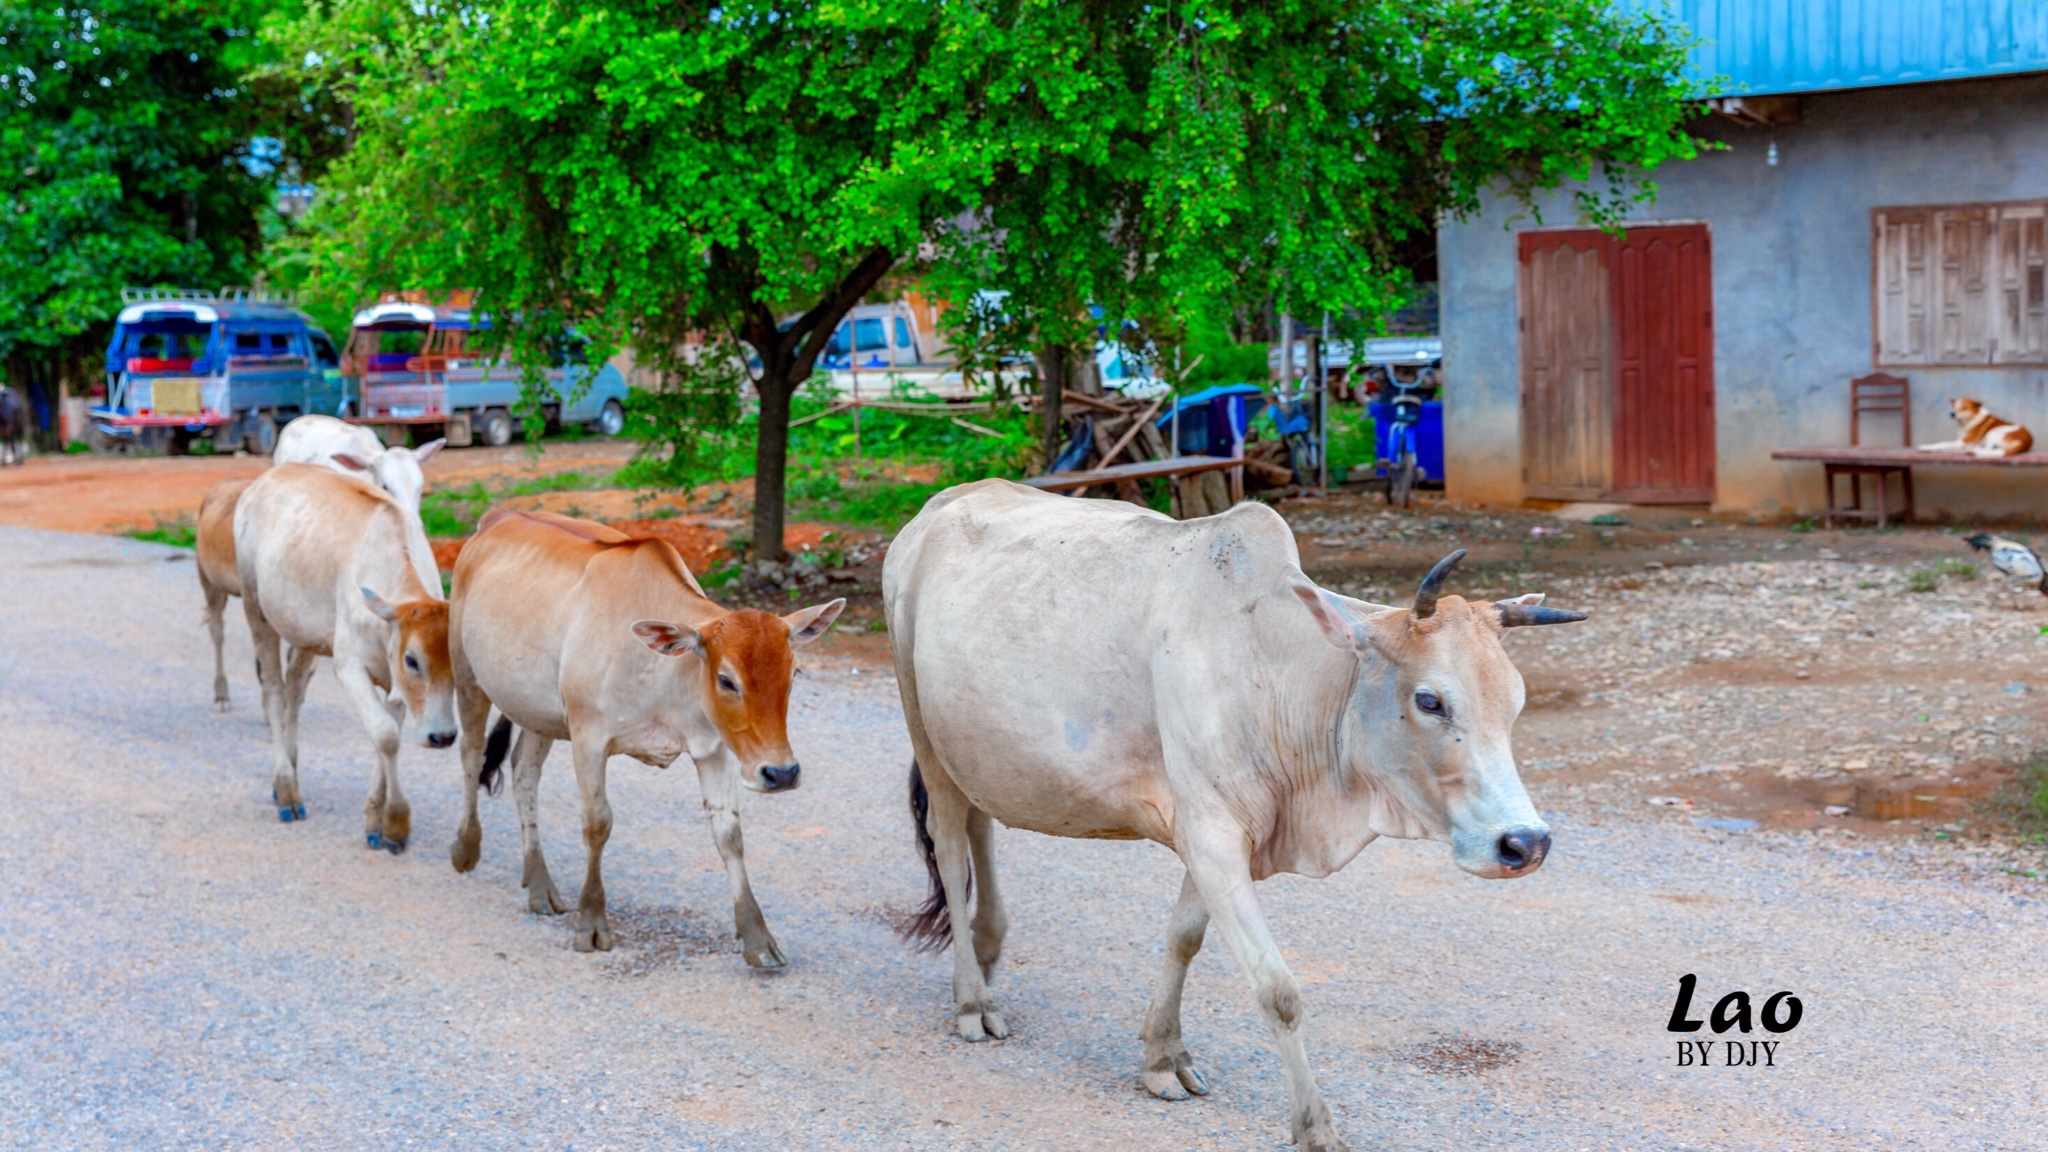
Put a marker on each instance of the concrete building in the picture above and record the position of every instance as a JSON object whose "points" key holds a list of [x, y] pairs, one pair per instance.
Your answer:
{"points": [[1878, 204]]}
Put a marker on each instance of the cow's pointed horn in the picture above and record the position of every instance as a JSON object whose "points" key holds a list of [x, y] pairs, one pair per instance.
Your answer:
{"points": [[1433, 585], [1514, 615]]}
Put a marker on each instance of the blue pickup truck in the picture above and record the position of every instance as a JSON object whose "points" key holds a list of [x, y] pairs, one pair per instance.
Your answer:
{"points": [[419, 372], [231, 366]]}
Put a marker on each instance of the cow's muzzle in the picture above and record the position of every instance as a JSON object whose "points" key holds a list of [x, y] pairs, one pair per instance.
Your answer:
{"points": [[1521, 850], [439, 739], [780, 777]]}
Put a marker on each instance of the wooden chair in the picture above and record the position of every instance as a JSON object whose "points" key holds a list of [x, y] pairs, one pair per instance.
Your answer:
{"points": [[1876, 394]]}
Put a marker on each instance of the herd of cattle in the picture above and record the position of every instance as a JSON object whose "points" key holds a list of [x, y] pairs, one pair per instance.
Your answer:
{"points": [[1223, 705]]}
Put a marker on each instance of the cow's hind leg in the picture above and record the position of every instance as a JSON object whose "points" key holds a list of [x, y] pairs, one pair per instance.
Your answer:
{"points": [[529, 753], [284, 781], [718, 778], [216, 607], [946, 821], [593, 929], [1169, 1072], [990, 924]]}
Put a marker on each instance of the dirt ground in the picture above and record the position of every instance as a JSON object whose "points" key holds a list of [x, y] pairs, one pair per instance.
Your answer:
{"points": [[184, 971]]}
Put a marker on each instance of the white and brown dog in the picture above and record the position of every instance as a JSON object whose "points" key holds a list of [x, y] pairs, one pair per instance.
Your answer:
{"points": [[1982, 434]]}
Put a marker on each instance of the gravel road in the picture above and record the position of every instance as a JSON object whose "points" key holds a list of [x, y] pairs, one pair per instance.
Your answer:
{"points": [[181, 970]]}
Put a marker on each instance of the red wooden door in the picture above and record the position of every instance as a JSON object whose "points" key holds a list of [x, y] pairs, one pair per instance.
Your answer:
{"points": [[1662, 296]]}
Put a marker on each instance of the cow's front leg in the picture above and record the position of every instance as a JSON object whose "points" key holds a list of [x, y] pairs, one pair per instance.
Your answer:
{"points": [[529, 753], [1216, 861], [216, 608], [387, 819], [718, 777], [1169, 1072], [593, 930], [473, 712]]}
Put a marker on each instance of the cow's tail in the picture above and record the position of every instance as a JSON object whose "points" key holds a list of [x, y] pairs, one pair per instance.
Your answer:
{"points": [[930, 928], [491, 776]]}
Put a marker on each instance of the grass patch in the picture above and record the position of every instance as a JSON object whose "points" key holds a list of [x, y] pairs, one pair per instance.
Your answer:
{"points": [[179, 533], [561, 482], [454, 511], [1960, 569], [2023, 803], [869, 504], [1923, 580]]}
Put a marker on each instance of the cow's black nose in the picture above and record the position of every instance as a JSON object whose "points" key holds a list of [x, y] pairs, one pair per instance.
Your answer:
{"points": [[440, 739], [1523, 849], [780, 777]]}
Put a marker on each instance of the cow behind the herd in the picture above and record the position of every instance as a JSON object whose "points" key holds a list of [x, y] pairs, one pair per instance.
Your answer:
{"points": [[1226, 707]]}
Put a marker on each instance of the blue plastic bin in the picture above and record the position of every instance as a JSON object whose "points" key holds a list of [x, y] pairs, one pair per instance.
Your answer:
{"points": [[1429, 437]]}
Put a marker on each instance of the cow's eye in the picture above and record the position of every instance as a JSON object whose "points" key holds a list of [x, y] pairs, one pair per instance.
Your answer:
{"points": [[412, 664], [726, 682], [1429, 702]]}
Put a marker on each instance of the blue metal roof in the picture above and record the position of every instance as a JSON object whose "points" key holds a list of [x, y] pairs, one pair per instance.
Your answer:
{"points": [[1768, 47]]}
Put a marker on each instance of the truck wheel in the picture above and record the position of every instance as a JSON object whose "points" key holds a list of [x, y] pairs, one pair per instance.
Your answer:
{"points": [[261, 438], [497, 428], [611, 421]]}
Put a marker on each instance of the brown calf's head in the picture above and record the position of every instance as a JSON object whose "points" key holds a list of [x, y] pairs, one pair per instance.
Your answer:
{"points": [[745, 659], [420, 670], [1436, 702]]}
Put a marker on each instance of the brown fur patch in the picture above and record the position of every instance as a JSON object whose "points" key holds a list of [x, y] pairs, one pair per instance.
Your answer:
{"points": [[755, 646]]}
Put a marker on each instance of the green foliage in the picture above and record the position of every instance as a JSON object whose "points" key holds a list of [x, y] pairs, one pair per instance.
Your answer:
{"points": [[1351, 441], [453, 511], [179, 533], [124, 159], [664, 174], [1923, 580], [1960, 569]]}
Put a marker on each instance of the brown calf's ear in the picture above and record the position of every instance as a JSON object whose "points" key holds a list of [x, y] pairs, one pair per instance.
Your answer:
{"points": [[351, 461], [425, 452], [669, 639], [379, 605], [811, 623], [1330, 616]]}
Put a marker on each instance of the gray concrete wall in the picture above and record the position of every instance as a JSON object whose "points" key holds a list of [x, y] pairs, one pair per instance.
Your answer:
{"points": [[1792, 291]]}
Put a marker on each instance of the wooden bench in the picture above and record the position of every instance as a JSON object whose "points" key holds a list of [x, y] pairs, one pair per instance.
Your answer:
{"points": [[1859, 461], [1143, 470]]}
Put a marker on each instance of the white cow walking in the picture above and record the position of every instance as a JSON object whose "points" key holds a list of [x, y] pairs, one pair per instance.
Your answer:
{"points": [[1090, 669], [347, 447]]}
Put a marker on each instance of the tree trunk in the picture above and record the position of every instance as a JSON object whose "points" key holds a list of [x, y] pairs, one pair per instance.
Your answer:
{"points": [[771, 464], [1053, 364]]}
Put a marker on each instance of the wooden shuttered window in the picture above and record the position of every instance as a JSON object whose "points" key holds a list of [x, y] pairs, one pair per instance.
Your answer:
{"points": [[1961, 285]]}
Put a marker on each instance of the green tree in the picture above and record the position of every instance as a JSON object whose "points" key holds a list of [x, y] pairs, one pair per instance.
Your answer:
{"points": [[124, 159], [655, 170]]}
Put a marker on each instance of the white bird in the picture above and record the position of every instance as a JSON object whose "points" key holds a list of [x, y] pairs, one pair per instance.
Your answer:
{"points": [[2013, 558]]}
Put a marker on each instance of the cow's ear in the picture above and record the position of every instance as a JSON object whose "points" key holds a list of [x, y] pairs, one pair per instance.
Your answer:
{"points": [[669, 639], [426, 451], [811, 623], [378, 604], [1337, 625], [351, 462], [1532, 599]]}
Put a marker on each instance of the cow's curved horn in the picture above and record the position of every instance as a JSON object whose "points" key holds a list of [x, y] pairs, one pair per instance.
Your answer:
{"points": [[1514, 615], [1433, 584]]}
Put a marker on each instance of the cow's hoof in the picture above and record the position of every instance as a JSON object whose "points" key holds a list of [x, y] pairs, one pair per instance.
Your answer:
{"points": [[290, 812], [980, 1022], [1320, 1138], [1175, 1083], [594, 938], [465, 851], [221, 705], [764, 953], [373, 839], [395, 845], [545, 901], [298, 811]]}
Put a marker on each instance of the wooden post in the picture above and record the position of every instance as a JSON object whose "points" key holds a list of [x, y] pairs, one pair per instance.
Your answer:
{"points": [[1052, 373]]}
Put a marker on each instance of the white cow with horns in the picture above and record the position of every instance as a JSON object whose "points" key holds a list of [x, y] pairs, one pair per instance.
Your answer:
{"points": [[1087, 668]]}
